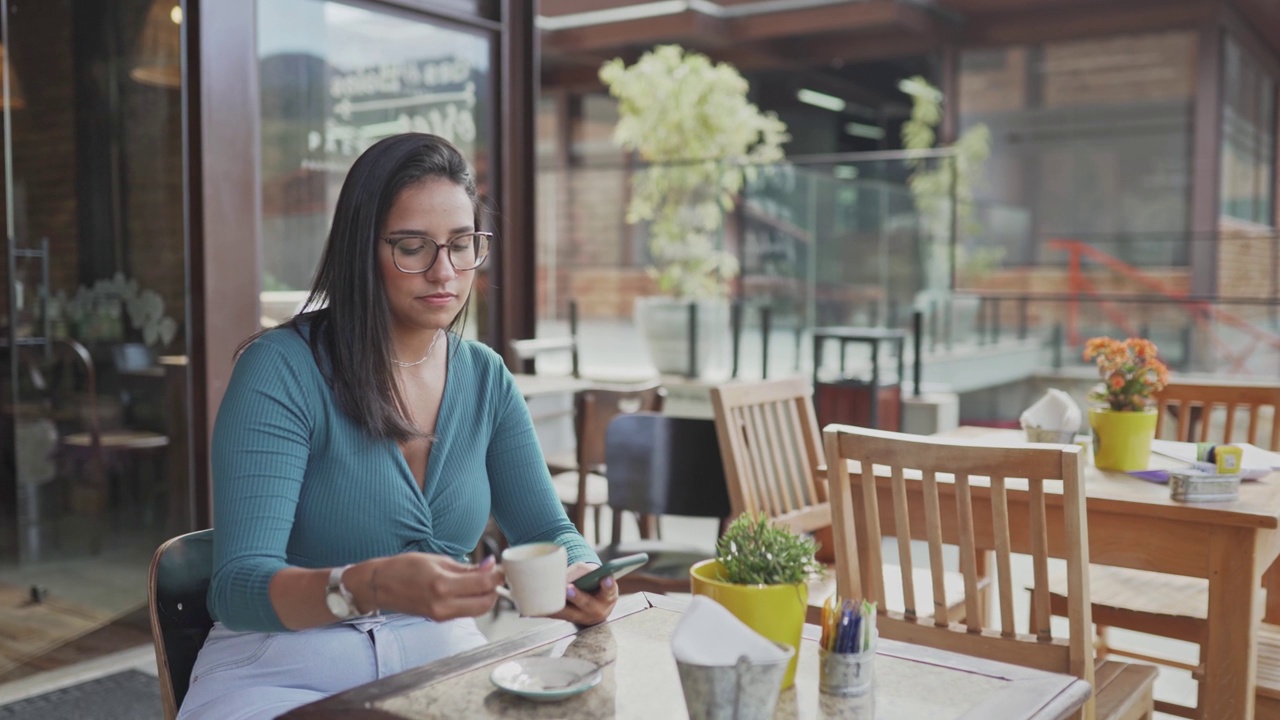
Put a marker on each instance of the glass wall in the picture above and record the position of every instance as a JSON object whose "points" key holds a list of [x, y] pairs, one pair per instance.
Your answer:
{"points": [[94, 464], [1248, 137], [1091, 140], [336, 78]]}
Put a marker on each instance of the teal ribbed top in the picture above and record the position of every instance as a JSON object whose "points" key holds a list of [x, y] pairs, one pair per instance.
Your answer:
{"points": [[295, 482]]}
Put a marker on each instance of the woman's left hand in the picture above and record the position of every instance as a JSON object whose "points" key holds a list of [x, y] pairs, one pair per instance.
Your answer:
{"points": [[586, 608]]}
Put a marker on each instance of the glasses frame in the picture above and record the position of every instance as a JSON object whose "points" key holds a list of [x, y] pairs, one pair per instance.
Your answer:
{"points": [[395, 239]]}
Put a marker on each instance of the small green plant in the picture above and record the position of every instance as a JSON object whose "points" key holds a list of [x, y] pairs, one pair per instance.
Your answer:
{"points": [[754, 551]]}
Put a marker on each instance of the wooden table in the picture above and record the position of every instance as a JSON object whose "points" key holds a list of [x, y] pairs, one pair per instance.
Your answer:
{"points": [[532, 386], [640, 680], [1133, 523]]}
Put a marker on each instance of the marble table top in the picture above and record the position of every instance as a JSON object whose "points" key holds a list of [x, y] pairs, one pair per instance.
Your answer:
{"points": [[641, 681]]}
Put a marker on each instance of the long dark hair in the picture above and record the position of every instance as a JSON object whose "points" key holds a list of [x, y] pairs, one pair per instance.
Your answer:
{"points": [[351, 332]]}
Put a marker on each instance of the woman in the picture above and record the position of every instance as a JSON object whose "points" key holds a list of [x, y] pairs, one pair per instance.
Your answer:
{"points": [[358, 453]]}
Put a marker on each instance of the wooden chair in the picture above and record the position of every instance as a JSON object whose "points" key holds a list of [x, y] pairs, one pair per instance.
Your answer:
{"points": [[585, 486], [529, 349], [177, 585], [772, 453], [1169, 605], [662, 465], [1007, 513], [1267, 699]]}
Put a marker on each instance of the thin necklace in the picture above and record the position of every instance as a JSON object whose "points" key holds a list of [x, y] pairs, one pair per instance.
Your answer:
{"points": [[430, 347]]}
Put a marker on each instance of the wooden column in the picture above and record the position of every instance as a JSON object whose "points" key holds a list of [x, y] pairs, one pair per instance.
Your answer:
{"points": [[1206, 160], [225, 210], [517, 313]]}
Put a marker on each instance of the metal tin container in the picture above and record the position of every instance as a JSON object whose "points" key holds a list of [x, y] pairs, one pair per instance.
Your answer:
{"points": [[1195, 485]]}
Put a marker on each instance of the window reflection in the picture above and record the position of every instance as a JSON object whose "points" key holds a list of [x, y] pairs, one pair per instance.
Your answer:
{"points": [[336, 79]]}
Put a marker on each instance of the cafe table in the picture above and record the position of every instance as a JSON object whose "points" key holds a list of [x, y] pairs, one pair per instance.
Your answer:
{"points": [[641, 681], [1134, 523]]}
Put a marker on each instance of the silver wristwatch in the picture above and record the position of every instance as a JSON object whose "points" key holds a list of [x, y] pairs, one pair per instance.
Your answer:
{"points": [[339, 599]]}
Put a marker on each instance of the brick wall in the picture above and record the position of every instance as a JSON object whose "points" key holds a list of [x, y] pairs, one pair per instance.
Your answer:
{"points": [[44, 144], [1123, 69], [993, 80], [1247, 263]]}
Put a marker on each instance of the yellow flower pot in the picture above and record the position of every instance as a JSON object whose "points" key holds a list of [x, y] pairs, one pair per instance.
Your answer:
{"points": [[775, 611], [1122, 438]]}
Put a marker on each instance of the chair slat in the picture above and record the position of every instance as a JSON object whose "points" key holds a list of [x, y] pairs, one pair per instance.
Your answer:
{"points": [[903, 531], [1230, 426], [795, 419], [1254, 424], [1184, 423], [794, 453], [748, 485], [933, 525], [1000, 530], [968, 553], [769, 497], [873, 568], [1040, 564], [788, 478], [1206, 417]]}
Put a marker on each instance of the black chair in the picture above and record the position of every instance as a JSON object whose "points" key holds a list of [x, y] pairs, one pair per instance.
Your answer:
{"points": [[663, 465], [177, 587]]}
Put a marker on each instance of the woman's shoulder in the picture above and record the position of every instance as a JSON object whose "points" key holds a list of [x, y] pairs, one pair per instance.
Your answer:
{"points": [[483, 363], [284, 340]]}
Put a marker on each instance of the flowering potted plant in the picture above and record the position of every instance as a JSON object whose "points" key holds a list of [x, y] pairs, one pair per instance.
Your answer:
{"points": [[1124, 421]]}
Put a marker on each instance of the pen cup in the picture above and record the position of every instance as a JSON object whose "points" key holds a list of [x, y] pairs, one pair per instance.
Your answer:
{"points": [[846, 674]]}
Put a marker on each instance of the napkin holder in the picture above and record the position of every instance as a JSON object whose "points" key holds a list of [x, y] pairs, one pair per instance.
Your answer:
{"points": [[746, 690]]}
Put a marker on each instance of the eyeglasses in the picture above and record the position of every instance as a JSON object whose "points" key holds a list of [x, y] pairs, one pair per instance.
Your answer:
{"points": [[416, 254]]}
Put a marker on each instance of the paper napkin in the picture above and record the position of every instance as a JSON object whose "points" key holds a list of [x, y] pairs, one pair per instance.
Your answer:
{"points": [[1055, 411], [708, 634]]}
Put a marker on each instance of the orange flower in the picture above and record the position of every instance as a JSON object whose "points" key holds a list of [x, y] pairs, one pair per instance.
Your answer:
{"points": [[1131, 372]]}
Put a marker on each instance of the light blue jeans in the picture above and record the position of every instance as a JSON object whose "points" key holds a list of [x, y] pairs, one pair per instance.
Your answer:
{"points": [[253, 675]]}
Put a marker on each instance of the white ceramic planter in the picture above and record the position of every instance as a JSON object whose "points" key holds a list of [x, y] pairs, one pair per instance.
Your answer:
{"points": [[664, 322]]}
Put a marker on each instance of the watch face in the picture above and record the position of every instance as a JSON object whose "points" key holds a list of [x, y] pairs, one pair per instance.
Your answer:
{"points": [[337, 605]]}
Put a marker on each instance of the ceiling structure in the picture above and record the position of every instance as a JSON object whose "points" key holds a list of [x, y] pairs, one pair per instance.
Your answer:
{"points": [[826, 45]]}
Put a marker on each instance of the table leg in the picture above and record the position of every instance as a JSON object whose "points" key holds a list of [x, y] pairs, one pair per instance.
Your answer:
{"points": [[1230, 653], [1271, 583]]}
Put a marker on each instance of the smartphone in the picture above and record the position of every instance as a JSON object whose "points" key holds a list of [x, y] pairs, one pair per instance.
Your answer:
{"points": [[616, 567]]}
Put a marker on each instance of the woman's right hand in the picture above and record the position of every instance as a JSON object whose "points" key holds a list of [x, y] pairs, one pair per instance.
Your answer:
{"points": [[431, 586]]}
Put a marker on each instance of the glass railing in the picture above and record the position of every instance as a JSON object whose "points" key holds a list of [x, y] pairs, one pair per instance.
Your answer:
{"points": [[845, 241]]}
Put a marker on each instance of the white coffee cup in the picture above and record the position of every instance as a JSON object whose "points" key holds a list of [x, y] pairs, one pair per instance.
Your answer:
{"points": [[536, 574]]}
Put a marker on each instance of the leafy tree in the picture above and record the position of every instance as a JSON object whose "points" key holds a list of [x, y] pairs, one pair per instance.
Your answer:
{"points": [[690, 122]]}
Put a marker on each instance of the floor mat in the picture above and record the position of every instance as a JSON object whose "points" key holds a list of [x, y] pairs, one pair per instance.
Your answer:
{"points": [[129, 695]]}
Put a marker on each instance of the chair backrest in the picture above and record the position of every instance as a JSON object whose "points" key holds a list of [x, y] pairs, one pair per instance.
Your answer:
{"points": [[772, 451], [979, 499], [1197, 409], [530, 348], [176, 592], [662, 465], [594, 408]]}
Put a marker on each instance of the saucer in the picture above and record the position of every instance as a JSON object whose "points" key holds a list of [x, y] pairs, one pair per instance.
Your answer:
{"points": [[546, 679]]}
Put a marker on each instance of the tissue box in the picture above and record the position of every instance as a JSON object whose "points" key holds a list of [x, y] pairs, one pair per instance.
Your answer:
{"points": [[1195, 485]]}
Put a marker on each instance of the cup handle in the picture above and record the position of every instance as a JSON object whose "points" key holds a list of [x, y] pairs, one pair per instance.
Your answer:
{"points": [[504, 592]]}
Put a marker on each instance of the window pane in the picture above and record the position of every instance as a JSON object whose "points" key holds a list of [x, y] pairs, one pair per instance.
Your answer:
{"points": [[1091, 140], [336, 79], [1248, 137]]}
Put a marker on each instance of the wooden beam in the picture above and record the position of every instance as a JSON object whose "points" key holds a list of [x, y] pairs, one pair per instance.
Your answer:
{"points": [[872, 15], [554, 8], [678, 27], [850, 49], [1066, 23]]}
